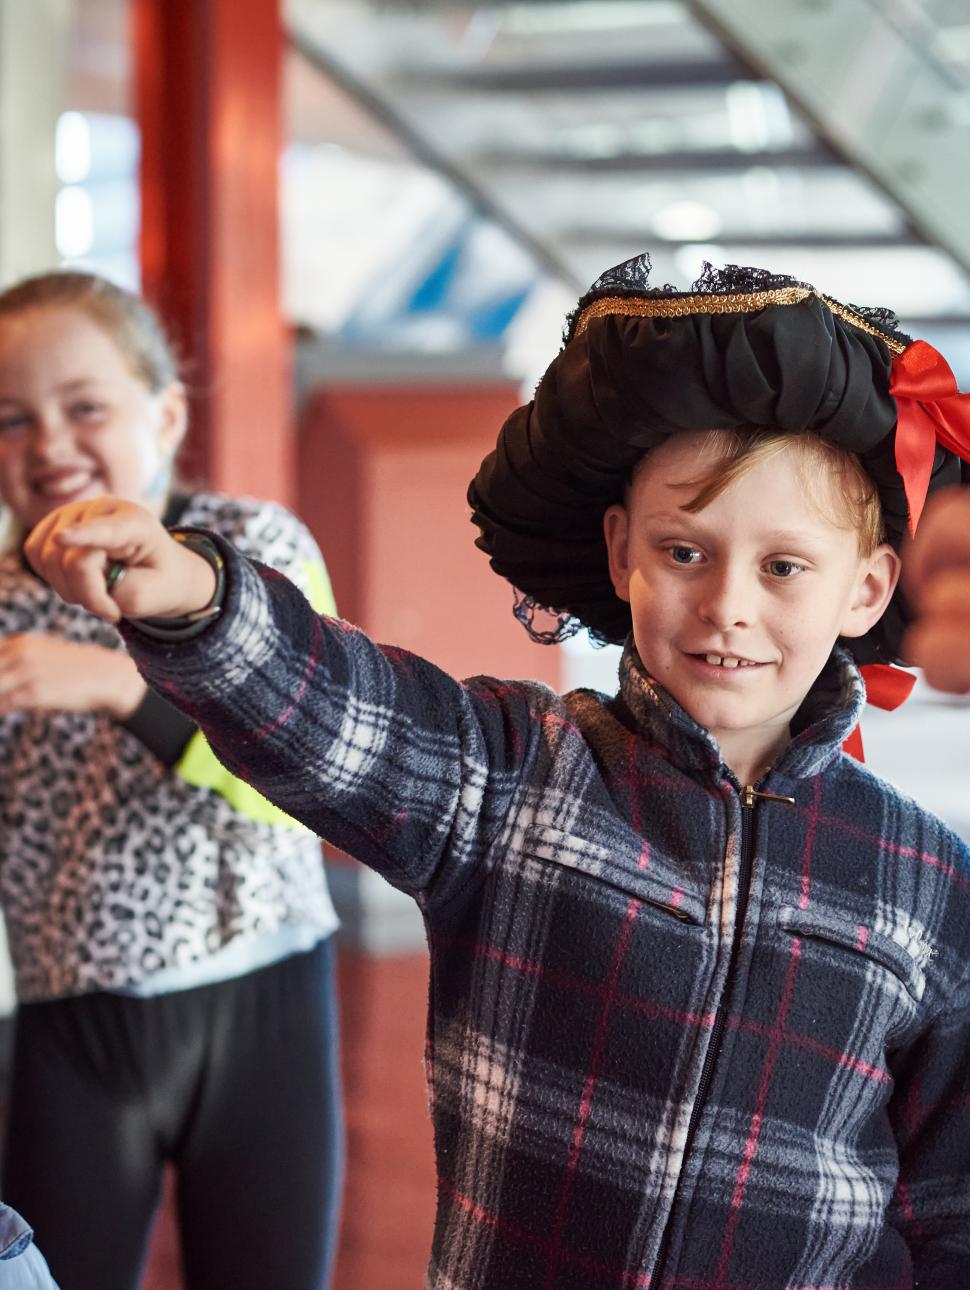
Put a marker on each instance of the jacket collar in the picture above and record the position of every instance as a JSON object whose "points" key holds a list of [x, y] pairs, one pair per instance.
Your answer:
{"points": [[827, 716]]}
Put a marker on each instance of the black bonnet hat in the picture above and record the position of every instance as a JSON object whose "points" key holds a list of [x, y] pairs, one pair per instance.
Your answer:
{"points": [[741, 348]]}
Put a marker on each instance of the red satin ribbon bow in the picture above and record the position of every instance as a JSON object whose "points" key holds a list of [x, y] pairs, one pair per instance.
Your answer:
{"points": [[887, 688], [930, 410]]}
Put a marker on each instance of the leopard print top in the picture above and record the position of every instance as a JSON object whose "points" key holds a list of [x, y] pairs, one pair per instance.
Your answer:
{"points": [[112, 866]]}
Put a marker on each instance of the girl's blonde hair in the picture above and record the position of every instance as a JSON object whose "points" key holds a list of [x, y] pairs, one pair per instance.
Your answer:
{"points": [[834, 478], [132, 324]]}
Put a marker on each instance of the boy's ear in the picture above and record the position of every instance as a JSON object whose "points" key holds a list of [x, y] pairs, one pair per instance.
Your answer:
{"points": [[878, 576], [616, 529], [173, 418]]}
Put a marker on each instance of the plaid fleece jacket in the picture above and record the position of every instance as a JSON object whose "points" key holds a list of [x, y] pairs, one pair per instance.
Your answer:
{"points": [[674, 1041]]}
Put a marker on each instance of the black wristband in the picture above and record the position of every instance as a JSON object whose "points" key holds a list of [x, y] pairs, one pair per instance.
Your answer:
{"points": [[189, 625]]}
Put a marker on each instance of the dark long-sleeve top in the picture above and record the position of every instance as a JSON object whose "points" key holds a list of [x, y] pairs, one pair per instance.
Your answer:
{"points": [[673, 1040]]}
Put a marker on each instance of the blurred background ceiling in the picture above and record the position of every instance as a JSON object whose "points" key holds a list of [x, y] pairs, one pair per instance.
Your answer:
{"points": [[458, 172]]}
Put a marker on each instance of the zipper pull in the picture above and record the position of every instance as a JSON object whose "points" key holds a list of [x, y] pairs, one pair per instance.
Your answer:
{"points": [[749, 793]]}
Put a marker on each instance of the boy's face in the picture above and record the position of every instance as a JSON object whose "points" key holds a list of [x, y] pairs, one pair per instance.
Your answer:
{"points": [[736, 608]]}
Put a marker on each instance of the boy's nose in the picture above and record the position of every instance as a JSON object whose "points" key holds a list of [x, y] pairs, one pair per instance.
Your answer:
{"points": [[727, 600]]}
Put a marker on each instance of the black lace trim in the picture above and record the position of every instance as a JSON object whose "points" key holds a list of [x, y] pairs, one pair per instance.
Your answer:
{"points": [[632, 278], [558, 627], [739, 279], [883, 319]]}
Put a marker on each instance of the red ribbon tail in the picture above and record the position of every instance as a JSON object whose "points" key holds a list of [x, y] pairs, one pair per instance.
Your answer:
{"points": [[915, 450], [853, 745], [929, 409], [887, 688]]}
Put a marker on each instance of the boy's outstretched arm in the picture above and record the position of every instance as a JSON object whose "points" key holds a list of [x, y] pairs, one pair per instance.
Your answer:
{"points": [[372, 748], [936, 575]]}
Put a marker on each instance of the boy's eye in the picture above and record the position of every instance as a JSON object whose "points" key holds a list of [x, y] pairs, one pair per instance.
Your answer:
{"points": [[684, 554], [783, 568]]}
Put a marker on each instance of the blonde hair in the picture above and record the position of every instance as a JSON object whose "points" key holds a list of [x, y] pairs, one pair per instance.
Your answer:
{"points": [[833, 477], [129, 322]]}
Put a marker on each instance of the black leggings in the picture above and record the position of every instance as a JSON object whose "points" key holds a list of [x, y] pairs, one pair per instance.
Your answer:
{"points": [[235, 1083]]}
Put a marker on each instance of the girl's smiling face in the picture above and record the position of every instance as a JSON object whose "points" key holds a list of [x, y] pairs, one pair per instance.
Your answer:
{"points": [[737, 606], [75, 420]]}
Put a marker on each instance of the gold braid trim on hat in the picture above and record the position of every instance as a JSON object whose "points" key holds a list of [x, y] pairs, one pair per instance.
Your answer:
{"points": [[727, 303], [893, 343]]}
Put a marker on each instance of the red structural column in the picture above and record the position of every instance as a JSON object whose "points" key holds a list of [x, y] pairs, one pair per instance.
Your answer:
{"points": [[383, 474], [208, 102]]}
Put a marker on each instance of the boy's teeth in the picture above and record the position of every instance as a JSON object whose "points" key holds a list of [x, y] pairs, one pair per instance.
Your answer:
{"points": [[730, 662], [720, 661]]}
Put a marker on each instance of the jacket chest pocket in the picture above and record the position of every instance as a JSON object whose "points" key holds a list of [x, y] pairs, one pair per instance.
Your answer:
{"points": [[858, 945], [605, 872]]}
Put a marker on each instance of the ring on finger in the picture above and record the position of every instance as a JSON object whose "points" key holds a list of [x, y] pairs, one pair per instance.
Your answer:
{"points": [[116, 572]]}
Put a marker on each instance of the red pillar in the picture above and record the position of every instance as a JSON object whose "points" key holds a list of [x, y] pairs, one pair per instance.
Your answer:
{"points": [[208, 102], [383, 474]]}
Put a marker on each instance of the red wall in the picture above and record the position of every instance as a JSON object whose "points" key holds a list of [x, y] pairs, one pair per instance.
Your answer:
{"points": [[383, 473]]}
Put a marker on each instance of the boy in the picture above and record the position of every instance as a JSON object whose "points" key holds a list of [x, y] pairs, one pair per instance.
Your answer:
{"points": [[700, 996]]}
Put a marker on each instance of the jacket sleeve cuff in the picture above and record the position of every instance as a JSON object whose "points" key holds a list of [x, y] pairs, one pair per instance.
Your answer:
{"points": [[191, 625]]}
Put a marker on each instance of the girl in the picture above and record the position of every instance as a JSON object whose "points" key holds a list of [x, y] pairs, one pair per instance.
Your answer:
{"points": [[171, 932]]}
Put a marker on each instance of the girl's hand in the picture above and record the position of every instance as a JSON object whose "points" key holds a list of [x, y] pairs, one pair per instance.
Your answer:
{"points": [[42, 673], [75, 546], [936, 576]]}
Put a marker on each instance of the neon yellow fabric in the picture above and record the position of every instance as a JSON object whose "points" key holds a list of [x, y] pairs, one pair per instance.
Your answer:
{"points": [[319, 592], [200, 766]]}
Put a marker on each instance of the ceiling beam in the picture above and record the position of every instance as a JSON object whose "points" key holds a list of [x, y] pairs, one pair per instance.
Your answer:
{"points": [[865, 76], [603, 235], [428, 154], [539, 78], [689, 160]]}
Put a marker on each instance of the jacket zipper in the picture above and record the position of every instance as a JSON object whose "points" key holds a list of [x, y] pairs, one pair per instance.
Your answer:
{"points": [[747, 797]]}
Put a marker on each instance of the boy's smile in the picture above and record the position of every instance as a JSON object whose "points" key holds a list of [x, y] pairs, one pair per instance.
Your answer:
{"points": [[736, 607]]}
